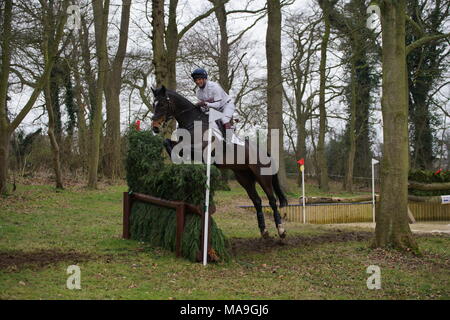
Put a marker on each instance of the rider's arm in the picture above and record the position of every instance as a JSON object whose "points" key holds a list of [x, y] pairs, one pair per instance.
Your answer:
{"points": [[218, 97]]}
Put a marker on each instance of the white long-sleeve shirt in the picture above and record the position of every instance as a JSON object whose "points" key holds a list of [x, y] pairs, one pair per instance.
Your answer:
{"points": [[214, 96]]}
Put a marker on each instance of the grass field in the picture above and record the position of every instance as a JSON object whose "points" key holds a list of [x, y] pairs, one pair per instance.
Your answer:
{"points": [[42, 232]]}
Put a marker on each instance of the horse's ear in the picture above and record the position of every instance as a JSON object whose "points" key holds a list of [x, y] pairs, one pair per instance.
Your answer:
{"points": [[163, 91]]}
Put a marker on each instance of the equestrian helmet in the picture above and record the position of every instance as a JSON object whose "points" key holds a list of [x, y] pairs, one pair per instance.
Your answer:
{"points": [[199, 73]]}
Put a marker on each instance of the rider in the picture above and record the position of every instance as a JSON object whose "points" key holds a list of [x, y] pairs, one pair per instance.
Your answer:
{"points": [[211, 95]]}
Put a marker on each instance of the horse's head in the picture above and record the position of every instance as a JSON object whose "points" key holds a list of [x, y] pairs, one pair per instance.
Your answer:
{"points": [[161, 108]]}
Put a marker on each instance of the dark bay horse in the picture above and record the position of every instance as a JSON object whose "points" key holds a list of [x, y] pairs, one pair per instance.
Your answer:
{"points": [[169, 104]]}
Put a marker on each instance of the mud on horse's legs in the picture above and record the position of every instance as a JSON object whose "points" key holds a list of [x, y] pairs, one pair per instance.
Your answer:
{"points": [[247, 180], [277, 217], [266, 184]]}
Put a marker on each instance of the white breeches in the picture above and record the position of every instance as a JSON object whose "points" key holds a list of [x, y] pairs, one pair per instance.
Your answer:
{"points": [[227, 111]]}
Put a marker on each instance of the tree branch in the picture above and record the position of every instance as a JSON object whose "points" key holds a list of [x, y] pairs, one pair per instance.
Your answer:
{"points": [[200, 17], [424, 40]]}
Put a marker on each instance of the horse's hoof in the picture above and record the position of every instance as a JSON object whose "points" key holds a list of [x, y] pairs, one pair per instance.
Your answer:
{"points": [[281, 231], [265, 234]]}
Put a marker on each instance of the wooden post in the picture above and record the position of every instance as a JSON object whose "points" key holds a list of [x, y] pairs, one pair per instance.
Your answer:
{"points": [[181, 209], [180, 228], [126, 215], [411, 217]]}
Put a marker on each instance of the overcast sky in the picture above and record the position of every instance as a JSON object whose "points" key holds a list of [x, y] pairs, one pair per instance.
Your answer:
{"points": [[187, 10]]}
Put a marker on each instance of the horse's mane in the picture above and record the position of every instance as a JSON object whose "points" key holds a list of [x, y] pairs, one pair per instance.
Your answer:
{"points": [[188, 118], [180, 98]]}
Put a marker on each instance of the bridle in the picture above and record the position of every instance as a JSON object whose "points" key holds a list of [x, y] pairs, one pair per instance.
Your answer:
{"points": [[170, 111]]}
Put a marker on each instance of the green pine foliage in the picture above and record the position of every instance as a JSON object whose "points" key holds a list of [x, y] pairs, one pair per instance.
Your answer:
{"points": [[147, 173], [427, 176]]}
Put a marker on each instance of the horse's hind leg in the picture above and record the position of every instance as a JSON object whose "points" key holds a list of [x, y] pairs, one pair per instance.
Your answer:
{"points": [[247, 180], [266, 183]]}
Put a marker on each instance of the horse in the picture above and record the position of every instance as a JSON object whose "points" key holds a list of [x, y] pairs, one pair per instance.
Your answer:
{"points": [[169, 104]]}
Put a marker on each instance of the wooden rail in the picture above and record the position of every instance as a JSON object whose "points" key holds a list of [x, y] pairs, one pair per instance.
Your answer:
{"points": [[181, 209], [330, 213]]}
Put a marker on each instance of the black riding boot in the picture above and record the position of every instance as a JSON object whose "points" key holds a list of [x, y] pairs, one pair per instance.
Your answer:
{"points": [[168, 144]]}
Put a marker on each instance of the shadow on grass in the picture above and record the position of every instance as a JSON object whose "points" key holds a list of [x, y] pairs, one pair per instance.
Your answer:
{"points": [[244, 246]]}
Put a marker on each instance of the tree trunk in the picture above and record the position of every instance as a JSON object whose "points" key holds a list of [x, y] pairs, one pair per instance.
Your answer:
{"points": [[348, 183], [81, 121], [422, 135], [7, 127], [224, 80], [87, 68], [221, 17], [4, 156], [429, 186], [321, 157], [53, 139], [172, 42], [274, 83], [51, 95], [392, 228], [5, 133], [112, 155], [101, 12], [357, 48], [429, 199], [159, 51]]}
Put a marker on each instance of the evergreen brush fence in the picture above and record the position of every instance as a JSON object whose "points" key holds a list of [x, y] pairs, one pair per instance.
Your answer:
{"points": [[148, 174]]}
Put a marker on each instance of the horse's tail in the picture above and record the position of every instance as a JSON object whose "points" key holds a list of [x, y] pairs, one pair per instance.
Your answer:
{"points": [[278, 191]]}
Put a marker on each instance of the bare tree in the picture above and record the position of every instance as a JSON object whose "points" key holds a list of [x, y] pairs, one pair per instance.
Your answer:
{"points": [[326, 6], [101, 13], [113, 86], [7, 126], [275, 83], [303, 39], [392, 228], [165, 41]]}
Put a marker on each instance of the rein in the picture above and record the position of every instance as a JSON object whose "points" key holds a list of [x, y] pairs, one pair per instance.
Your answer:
{"points": [[172, 110]]}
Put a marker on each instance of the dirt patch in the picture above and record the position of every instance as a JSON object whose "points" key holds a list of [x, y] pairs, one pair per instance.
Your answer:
{"points": [[15, 260], [243, 246]]}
